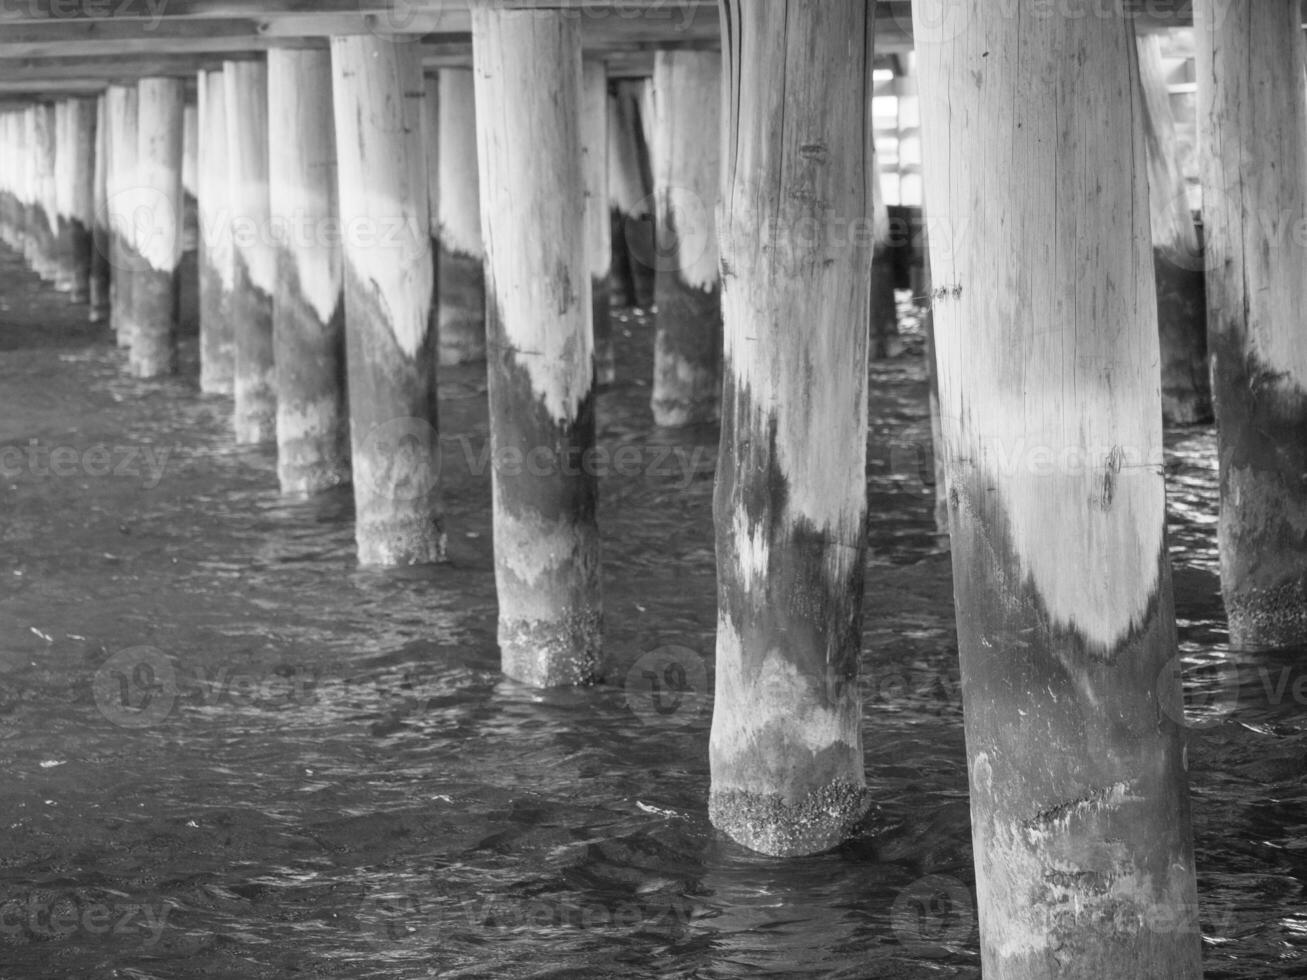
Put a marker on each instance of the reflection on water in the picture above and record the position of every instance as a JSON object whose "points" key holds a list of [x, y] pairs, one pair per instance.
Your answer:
{"points": [[233, 753]]}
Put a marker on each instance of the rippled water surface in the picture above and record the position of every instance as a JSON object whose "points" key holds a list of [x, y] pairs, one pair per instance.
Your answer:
{"points": [[295, 768]]}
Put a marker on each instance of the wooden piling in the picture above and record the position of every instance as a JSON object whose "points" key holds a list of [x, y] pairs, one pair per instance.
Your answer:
{"points": [[157, 220], [1046, 337], [10, 165], [254, 260], [431, 147], [378, 97], [885, 340], [461, 256], [43, 228], [62, 256], [1251, 61], [687, 98], [598, 224], [1177, 254], [308, 311], [99, 284], [631, 200], [540, 343], [122, 111], [790, 503], [81, 196], [217, 255]]}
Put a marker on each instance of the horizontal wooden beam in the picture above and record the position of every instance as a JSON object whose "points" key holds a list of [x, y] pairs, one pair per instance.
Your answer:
{"points": [[95, 41]]}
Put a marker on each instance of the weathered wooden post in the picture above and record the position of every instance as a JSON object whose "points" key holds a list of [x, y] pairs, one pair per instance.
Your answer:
{"points": [[540, 343], [44, 225], [630, 188], [80, 195], [217, 257], [122, 113], [308, 314], [1177, 254], [687, 172], [62, 256], [461, 257], [884, 307], [99, 284], [598, 225], [381, 160], [1046, 338], [1253, 111], [9, 177], [790, 501], [157, 219], [254, 262], [431, 148]]}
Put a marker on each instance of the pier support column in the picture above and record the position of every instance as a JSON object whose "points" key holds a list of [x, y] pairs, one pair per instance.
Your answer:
{"points": [[540, 343], [461, 257], [791, 498], [598, 225], [80, 196], [99, 284], [44, 225], [308, 307], [630, 188], [1046, 338], [9, 167], [687, 377], [1177, 254], [122, 110], [62, 264], [217, 256], [157, 217], [431, 148], [388, 279], [254, 261], [1253, 111]]}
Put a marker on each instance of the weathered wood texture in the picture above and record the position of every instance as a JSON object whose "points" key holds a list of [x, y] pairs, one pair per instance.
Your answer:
{"points": [[216, 251], [540, 343], [157, 220], [461, 258], [1252, 92], [790, 503], [388, 277], [1046, 338], [254, 260], [687, 96], [308, 304], [598, 225], [100, 270], [121, 109], [1177, 254], [631, 196]]}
